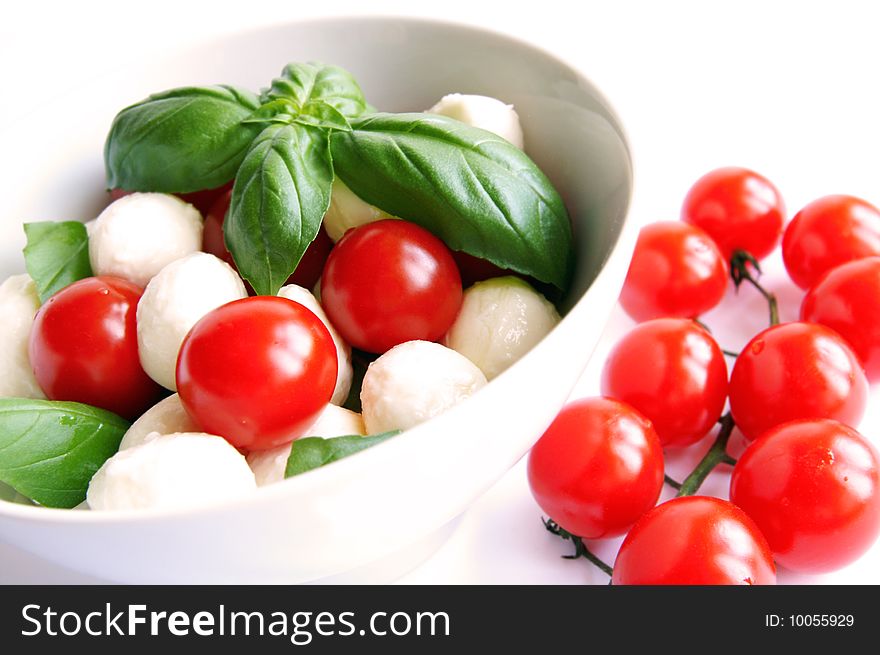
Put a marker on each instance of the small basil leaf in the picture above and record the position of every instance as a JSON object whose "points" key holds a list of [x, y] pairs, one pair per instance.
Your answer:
{"points": [[314, 82], [320, 114], [281, 193], [314, 452], [49, 450], [56, 255], [181, 140], [281, 110], [471, 188]]}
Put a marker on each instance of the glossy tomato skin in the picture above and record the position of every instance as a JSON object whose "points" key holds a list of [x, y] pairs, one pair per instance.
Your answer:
{"points": [[796, 371], [847, 299], [597, 468], [694, 540], [307, 272], [388, 282], [676, 271], [257, 371], [83, 347], [813, 488], [829, 232], [672, 371], [201, 200], [740, 209]]}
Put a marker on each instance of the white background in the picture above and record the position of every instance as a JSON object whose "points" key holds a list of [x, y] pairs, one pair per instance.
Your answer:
{"points": [[790, 89]]}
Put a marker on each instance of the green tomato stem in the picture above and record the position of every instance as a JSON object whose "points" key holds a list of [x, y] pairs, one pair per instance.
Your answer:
{"points": [[580, 548], [675, 484], [741, 264], [717, 455]]}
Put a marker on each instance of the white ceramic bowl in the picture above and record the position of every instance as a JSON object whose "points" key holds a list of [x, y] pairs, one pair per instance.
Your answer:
{"points": [[375, 514]]}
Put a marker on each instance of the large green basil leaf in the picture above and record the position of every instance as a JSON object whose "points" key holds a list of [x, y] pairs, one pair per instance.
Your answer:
{"points": [[471, 188], [314, 452], [281, 193], [311, 85], [181, 140], [49, 450], [56, 255]]}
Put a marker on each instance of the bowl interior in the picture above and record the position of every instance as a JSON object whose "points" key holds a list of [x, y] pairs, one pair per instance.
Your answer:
{"points": [[427, 476]]}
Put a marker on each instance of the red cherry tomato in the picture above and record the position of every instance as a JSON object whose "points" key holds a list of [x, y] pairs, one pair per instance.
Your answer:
{"points": [[388, 282], [813, 488], [83, 347], [829, 232], [676, 271], [257, 371], [597, 468], [672, 371], [740, 209], [201, 200], [694, 540], [796, 371], [307, 272], [847, 300]]}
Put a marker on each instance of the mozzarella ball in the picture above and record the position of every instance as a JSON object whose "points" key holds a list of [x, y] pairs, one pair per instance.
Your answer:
{"points": [[483, 112], [174, 300], [347, 211], [343, 350], [138, 235], [413, 382], [164, 417], [500, 320], [170, 471], [18, 304], [269, 465]]}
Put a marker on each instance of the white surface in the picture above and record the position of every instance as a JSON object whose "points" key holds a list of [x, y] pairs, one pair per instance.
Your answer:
{"points": [[788, 89]]}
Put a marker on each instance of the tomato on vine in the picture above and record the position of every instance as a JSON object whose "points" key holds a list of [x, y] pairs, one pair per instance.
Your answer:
{"points": [[813, 488]]}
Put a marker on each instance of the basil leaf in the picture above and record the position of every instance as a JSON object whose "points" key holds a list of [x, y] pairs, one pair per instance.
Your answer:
{"points": [[49, 450], [471, 188], [56, 255], [314, 452], [281, 193], [180, 140], [312, 83]]}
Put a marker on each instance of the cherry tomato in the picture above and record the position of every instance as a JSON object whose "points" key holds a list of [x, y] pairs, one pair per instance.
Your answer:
{"points": [[597, 468], [740, 209], [796, 371], [813, 488], [83, 347], [388, 282], [847, 299], [826, 233], [307, 272], [672, 371], [201, 200], [694, 540], [257, 371], [676, 271]]}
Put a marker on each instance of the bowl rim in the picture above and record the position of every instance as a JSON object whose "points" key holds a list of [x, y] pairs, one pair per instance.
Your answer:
{"points": [[620, 250]]}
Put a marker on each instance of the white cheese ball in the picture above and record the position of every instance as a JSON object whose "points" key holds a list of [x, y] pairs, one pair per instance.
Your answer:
{"points": [[484, 112], [269, 465], [343, 350], [165, 417], [500, 320], [174, 300], [171, 471], [346, 211], [136, 236], [415, 381], [18, 305]]}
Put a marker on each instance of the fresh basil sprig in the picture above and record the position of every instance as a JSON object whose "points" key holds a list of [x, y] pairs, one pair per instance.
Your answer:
{"points": [[49, 450], [473, 189], [314, 452], [181, 140], [280, 195], [56, 254]]}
